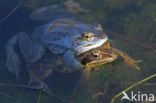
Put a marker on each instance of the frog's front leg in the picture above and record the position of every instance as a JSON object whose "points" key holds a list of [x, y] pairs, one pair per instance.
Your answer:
{"points": [[128, 59], [31, 48], [71, 62]]}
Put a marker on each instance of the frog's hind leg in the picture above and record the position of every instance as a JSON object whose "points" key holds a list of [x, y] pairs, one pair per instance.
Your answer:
{"points": [[32, 50], [51, 13], [12, 61], [128, 59], [66, 10]]}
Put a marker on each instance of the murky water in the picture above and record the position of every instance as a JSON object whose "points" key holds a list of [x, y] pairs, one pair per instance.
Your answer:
{"points": [[129, 24]]}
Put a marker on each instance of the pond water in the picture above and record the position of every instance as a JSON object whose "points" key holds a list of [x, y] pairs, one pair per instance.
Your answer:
{"points": [[130, 26]]}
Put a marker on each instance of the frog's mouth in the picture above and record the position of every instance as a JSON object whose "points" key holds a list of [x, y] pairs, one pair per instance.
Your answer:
{"points": [[91, 45], [111, 59]]}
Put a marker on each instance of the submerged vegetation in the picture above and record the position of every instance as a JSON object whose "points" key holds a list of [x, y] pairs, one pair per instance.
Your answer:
{"points": [[133, 19]]}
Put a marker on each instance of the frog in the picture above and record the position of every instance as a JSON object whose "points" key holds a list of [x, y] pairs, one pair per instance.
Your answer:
{"points": [[98, 57], [107, 53], [62, 36]]}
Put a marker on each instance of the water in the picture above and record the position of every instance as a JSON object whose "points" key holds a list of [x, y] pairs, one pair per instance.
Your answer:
{"points": [[135, 20]]}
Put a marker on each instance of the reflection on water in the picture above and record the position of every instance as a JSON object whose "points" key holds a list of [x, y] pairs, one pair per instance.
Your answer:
{"points": [[135, 20]]}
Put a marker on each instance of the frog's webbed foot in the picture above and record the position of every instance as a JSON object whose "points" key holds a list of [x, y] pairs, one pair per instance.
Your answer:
{"points": [[31, 49], [38, 84], [133, 62], [71, 62], [128, 59]]}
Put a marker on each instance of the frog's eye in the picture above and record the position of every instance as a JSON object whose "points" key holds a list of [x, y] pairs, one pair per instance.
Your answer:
{"points": [[87, 36], [96, 55]]}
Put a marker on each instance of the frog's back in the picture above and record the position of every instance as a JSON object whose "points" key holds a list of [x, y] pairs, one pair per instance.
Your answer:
{"points": [[62, 29], [60, 32]]}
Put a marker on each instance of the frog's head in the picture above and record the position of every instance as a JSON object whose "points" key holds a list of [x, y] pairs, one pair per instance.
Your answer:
{"points": [[98, 57], [90, 39]]}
